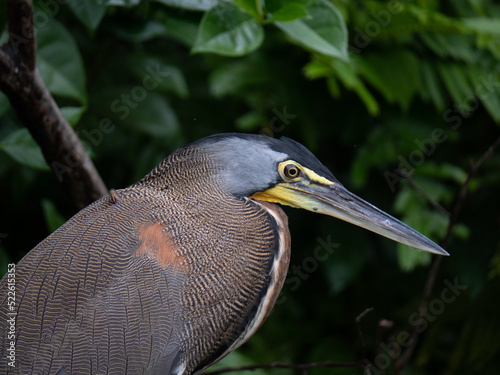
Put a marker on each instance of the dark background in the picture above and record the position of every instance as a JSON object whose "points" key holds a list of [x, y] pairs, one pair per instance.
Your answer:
{"points": [[420, 92]]}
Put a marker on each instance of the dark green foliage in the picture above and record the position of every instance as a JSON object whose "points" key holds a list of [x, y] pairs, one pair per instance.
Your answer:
{"points": [[376, 89]]}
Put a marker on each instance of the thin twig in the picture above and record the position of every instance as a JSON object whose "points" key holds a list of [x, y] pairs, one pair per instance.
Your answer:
{"points": [[360, 331], [296, 366], [463, 191], [433, 202], [307, 366], [402, 361]]}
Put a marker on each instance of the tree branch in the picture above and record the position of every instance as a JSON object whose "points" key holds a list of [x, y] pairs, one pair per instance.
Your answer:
{"points": [[431, 277], [421, 191], [359, 330], [21, 32], [362, 363], [39, 113], [297, 366]]}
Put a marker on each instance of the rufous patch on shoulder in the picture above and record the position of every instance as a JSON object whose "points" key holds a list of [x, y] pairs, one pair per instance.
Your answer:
{"points": [[157, 243]]}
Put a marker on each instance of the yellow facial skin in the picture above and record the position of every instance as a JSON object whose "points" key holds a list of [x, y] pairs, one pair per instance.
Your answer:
{"points": [[287, 195], [303, 188]]}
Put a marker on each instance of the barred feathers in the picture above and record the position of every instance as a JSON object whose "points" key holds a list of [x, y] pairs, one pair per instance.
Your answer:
{"points": [[163, 277]]}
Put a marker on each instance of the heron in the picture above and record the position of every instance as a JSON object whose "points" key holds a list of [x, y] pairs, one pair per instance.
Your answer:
{"points": [[172, 273]]}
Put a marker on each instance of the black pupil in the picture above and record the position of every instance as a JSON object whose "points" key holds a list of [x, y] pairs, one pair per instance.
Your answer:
{"points": [[291, 171]]}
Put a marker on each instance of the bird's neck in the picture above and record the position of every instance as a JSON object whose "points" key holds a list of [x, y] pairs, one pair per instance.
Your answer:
{"points": [[186, 169]]}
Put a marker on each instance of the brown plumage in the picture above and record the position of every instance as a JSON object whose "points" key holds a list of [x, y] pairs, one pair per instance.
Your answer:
{"points": [[163, 277], [130, 280]]}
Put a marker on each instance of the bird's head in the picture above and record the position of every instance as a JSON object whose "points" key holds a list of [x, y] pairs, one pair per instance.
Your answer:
{"points": [[284, 171]]}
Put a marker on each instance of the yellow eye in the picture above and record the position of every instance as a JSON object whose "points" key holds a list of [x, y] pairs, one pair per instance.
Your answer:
{"points": [[291, 171]]}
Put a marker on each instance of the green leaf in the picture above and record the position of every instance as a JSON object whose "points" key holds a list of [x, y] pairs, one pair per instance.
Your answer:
{"points": [[59, 62], [344, 266], [430, 88], [377, 152], [190, 4], [417, 215], [250, 121], [487, 91], [238, 77], [236, 359], [409, 259], [176, 84], [52, 217], [450, 45], [323, 31], [333, 87], [89, 12], [155, 117], [397, 85], [181, 30], [457, 84], [228, 31], [436, 191], [161, 76], [4, 35], [4, 103], [349, 78], [495, 265], [461, 231], [121, 3], [72, 114], [288, 12], [21, 147], [141, 32], [423, 220], [443, 171], [317, 69], [483, 25], [250, 7]]}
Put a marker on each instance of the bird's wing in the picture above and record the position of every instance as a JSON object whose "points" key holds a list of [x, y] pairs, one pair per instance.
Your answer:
{"points": [[100, 295]]}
